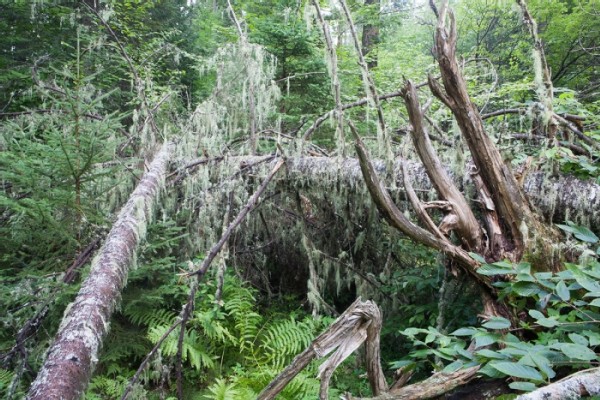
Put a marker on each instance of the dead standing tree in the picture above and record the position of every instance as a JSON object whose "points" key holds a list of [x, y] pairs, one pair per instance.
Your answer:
{"points": [[510, 228]]}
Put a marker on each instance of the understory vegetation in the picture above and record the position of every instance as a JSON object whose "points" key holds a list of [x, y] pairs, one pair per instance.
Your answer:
{"points": [[91, 91]]}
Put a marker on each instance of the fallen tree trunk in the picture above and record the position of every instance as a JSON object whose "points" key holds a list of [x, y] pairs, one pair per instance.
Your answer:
{"points": [[434, 386], [557, 198], [576, 386], [71, 358]]}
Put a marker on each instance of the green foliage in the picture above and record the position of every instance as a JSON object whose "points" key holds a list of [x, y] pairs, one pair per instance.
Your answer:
{"points": [[559, 326]]}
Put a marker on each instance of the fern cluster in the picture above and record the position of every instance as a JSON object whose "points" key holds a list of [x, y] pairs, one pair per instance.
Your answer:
{"points": [[231, 348]]}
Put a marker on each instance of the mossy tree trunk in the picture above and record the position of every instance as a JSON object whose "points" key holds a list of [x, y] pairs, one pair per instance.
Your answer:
{"points": [[71, 358]]}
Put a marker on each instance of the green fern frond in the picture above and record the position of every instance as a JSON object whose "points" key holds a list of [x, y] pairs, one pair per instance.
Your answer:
{"points": [[283, 339], [222, 390], [194, 351], [213, 328], [5, 380], [241, 305], [140, 313]]}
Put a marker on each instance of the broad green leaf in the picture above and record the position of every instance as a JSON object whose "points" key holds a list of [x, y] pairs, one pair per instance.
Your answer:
{"points": [[443, 356], [465, 332], [466, 354], [484, 339], [585, 235], [577, 351], [452, 367], [581, 232], [497, 323], [536, 314], [490, 372], [523, 386], [477, 257], [578, 339], [487, 353], [526, 289], [524, 268], [593, 337], [543, 364], [543, 275], [562, 291], [490, 270], [517, 370], [429, 338], [548, 322], [584, 280], [503, 264]]}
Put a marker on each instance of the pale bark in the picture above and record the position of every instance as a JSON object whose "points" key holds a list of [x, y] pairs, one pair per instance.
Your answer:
{"points": [[556, 198], [432, 387], [71, 358], [466, 224], [359, 323], [576, 386], [499, 182]]}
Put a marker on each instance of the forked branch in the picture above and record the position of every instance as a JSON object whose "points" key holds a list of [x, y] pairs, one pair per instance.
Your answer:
{"points": [[496, 176]]}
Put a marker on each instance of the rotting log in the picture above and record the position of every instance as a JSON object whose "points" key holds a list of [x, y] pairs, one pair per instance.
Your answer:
{"points": [[71, 358], [432, 387], [556, 198], [575, 386]]}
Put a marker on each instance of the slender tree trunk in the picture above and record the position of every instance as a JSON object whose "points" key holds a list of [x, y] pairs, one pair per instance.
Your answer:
{"points": [[71, 358], [370, 37]]}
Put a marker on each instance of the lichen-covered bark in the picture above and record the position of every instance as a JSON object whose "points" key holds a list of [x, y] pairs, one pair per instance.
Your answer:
{"points": [[556, 198], [580, 384], [71, 358]]}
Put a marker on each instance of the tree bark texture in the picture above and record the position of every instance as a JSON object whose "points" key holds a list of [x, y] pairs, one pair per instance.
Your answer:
{"points": [[432, 387], [576, 386], [71, 358], [360, 323], [556, 198], [497, 177]]}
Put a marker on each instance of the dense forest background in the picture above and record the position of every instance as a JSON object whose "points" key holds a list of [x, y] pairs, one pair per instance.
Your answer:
{"points": [[94, 92]]}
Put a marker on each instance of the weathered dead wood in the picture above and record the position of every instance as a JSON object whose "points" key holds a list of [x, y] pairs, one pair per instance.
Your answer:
{"points": [[576, 386], [398, 220], [556, 197], [359, 323], [571, 126], [511, 206], [71, 358], [434, 386], [466, 224]]}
